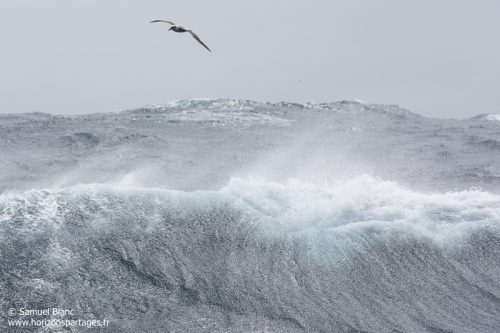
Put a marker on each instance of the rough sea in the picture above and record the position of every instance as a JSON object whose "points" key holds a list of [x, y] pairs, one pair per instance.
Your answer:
{"points": [[241, 216]]}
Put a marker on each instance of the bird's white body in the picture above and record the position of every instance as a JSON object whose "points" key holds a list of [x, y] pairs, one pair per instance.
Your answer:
{"points": [[177, 28]]}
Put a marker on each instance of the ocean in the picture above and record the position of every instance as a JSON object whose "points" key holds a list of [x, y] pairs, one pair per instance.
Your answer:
{"points": [[243, 216]]}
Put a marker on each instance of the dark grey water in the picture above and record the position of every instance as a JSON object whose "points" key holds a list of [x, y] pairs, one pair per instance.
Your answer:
{"points": [[239, 216]]}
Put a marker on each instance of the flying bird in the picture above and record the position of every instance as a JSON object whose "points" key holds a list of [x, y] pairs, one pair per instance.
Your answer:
{"points": [[178, 28]]}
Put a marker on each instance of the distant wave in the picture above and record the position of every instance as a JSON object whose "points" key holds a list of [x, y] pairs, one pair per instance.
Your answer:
{"points": [[242, 107], [354, 255]]}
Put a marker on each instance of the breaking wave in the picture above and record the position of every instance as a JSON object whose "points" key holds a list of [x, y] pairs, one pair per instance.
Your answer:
{"points": [[354, 255]]}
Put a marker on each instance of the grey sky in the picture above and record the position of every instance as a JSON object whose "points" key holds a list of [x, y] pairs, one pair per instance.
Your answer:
{"points": [[439, 58]]}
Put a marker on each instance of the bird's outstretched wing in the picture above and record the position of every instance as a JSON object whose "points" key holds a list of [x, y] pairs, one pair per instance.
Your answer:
{"points": [[169, 22], [199, 40]]}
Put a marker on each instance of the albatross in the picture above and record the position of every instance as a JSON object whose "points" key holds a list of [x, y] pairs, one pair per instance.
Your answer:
{"points": [[178, 28]]}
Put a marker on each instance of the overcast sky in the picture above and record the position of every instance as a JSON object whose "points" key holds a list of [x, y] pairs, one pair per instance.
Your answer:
{"points": [[439, 58]]}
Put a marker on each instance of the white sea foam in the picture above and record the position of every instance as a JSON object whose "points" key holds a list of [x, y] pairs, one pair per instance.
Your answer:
{"points": [[295, 206], [493, 117], [366, 201]]}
